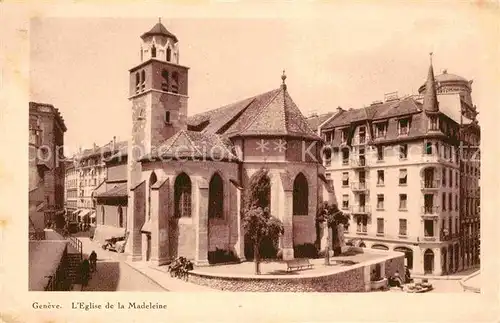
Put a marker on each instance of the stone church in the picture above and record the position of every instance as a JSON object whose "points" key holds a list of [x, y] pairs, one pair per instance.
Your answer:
{"points": [[187, 175]]}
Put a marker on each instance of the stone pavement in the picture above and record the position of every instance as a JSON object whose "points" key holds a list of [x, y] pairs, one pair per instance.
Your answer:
{"points": [[160, 276], [152, 277], [455, 276]]}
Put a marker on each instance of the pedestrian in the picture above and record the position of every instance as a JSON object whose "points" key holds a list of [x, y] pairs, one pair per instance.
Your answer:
{"points": [[93, 261], [84, 272]]}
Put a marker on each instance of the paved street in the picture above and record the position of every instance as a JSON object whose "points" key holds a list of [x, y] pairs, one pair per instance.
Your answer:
{"points": [[113, 274]]}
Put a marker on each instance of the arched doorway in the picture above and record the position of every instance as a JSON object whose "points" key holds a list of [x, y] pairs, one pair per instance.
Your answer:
{"points": [[300, 195], [215, 197], [428, 261], [182, 209], [408, 255], [380, 247]]}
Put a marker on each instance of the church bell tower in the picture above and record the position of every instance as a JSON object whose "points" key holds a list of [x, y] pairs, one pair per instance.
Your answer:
{"points": [[158, 93]]}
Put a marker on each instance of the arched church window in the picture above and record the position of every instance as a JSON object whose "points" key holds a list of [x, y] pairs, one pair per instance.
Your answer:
{"points": [[137, 82], [143, 79], [169, 54], [152, 180], [300, 195], [153, 51], [166, 81], [175, 83], [167, 116], [182, 196], [216, 198]]}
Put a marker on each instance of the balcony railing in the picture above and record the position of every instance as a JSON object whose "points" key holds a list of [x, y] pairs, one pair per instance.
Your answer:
{"points": [[430, 184], [430, 210], [358, 162], [360, 209], [359, 186]]}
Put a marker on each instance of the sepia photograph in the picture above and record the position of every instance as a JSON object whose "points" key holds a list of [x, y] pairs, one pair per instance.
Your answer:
{"points": [[325, 158], [256, 194]]}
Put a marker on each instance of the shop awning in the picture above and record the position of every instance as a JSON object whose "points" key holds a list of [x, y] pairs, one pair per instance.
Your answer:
{"points": [[84, 213]]}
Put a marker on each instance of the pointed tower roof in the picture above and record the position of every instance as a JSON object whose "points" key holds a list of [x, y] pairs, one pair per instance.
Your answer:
{"points": [[159, 30], [430, 97]]}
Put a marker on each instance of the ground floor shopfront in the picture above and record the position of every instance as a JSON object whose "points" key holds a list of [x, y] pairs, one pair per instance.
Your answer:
{"points": [[427, 257]]}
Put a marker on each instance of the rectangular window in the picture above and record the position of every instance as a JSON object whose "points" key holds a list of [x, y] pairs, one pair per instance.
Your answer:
{"points": [[456, 179], [345, 201], [429, 228], [456, 202], [443, 202], [450, 201], [380, 177], [380, 225], [444, 178], [343, 137], [402, 227], [428, 148], [402, 201], [380, 130], [403, 177], [403, 151], [362, 135], [380, 153], [403, 127], [433, 124], [362, 222], [328, 137], [380, 201], [345, 179], [450, 175]]}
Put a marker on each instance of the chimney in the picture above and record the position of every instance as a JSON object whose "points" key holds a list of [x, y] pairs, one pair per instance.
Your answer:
{"points": [[339, 109], [114, 140]]}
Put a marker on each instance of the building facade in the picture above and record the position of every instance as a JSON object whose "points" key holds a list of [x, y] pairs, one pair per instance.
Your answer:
{"points": [[88, 171], [186, 177], [398, 168], [71, 190], [46, 145]]}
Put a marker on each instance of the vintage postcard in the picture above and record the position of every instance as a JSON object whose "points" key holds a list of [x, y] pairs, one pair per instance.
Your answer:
{"points": [[288, 162]]}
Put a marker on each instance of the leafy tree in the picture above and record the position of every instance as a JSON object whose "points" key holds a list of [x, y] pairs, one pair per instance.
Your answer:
{"points": [[330, 213], [257, 219]]}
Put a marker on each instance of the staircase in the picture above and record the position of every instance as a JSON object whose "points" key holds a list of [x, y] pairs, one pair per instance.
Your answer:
{"points": [[74, 260]]}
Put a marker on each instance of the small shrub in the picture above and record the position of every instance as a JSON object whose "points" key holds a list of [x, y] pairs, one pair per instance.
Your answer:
{"points": [[306, 250], [221, 256]]}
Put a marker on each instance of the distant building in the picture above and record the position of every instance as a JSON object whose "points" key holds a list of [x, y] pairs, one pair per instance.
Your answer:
{"points": [[86, 174], [400, 169], [46, 166], [111, 199]]}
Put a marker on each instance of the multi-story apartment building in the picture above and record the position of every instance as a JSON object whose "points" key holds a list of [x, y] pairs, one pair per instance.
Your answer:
{"points": [[87, 173], [398, 169], [71, 191], [47, 147]]}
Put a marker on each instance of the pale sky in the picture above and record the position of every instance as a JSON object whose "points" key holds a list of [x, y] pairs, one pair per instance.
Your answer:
{"points": [[347, 58]]}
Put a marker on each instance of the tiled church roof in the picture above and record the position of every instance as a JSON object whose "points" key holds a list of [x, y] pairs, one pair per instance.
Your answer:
{"points": [[118, 190], [194, 145], [271, 113], [160, 30]]}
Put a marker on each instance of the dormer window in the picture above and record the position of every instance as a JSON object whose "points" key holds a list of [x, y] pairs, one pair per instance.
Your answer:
{"points": [[169, 54], [403, 127], [433, 124], [153, 51], [380, 130]]}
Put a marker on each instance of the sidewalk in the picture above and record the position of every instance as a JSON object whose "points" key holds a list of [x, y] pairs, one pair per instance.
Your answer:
{"points": [[456, 276], [160, 276]]}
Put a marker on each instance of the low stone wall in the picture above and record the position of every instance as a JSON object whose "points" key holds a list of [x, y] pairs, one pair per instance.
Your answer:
{"points": [[355, 278]]}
